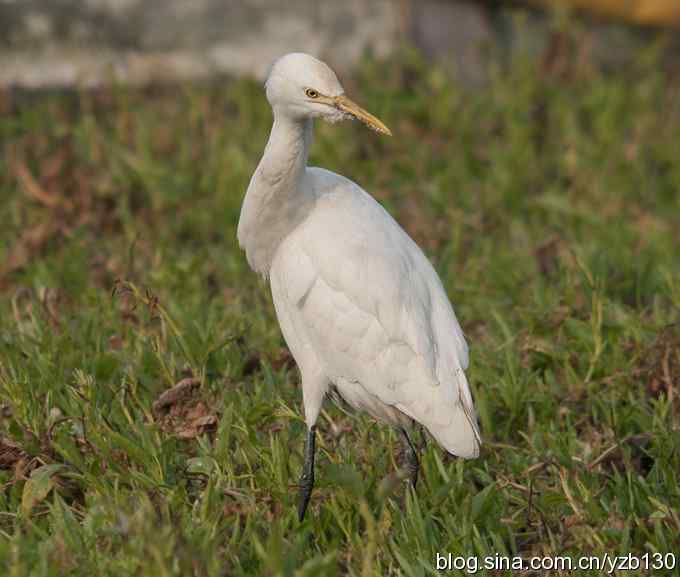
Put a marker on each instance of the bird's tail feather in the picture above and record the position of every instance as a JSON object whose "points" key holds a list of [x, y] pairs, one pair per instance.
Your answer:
{"points": [[461, 436]]}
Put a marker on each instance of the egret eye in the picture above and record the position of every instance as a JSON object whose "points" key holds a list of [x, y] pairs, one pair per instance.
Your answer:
{"points": [[311, 93]]}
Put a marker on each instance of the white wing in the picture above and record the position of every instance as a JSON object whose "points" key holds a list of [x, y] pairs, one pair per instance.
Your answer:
{"points": [[358, 301]]}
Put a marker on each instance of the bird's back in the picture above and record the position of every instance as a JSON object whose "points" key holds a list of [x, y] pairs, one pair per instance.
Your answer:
{"points": [[365, 306]]}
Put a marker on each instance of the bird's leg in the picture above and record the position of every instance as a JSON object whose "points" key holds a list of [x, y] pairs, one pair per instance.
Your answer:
{"points": [[412, 462], [307, 478]]}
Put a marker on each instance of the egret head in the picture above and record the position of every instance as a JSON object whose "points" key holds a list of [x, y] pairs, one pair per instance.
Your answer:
{"points": [[300, 86]]}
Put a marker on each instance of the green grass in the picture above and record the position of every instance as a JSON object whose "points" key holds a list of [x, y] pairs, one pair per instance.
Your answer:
{"points": [[549, 203]]}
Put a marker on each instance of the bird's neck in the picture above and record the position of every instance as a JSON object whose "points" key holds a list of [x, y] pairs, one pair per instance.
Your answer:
{"points": [[276, 201], [285, 156]]}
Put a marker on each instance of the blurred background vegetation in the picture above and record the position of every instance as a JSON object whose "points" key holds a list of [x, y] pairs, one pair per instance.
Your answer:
{"points": [[150, 418], [641, 12], [77, 43]]}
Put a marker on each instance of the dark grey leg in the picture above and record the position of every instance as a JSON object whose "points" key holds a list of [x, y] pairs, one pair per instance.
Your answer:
{"points": [[307, 478], [412, 462]]}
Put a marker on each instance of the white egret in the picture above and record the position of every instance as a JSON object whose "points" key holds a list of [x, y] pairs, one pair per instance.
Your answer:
{"points": [[360, 306]]}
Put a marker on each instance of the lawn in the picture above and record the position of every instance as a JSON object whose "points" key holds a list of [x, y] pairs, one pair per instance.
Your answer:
{"points": [[549, 203]]}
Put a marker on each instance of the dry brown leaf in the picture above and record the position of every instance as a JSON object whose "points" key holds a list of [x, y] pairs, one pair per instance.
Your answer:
{"points": [[11, 454], [546, 256], [180, 414], [29, 243], [116, 342], [32, 187], [659, 364], [181, 391], [282, 359]]}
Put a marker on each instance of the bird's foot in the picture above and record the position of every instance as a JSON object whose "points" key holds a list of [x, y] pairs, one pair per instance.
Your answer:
{"points": [[412, 468], [412, 462]]}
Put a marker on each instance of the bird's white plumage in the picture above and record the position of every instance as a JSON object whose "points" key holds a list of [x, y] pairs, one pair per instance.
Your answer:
{"points": [[359, 304]]}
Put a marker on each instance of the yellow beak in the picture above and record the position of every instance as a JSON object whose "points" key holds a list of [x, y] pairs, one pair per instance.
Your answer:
{"points": [[350, 107]]}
